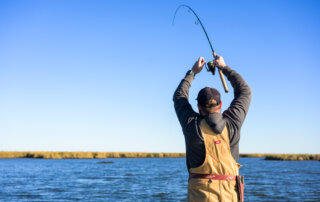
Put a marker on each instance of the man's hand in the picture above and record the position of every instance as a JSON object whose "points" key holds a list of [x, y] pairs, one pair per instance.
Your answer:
{"points": [[219, 62], [198, 65]]}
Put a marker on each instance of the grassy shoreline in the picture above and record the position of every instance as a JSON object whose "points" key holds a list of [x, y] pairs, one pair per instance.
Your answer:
{"points": [[87, 155], [285, 157], [102, 155]]}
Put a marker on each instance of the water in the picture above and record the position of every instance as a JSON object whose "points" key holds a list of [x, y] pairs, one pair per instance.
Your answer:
{"points": [[150, 179]]}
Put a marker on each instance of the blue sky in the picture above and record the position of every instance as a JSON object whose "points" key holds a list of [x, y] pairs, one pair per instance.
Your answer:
{"points": [[100, 75]]}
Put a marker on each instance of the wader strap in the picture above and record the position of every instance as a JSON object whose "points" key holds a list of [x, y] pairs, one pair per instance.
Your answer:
{"points": [[240, 187], [213, 177]]}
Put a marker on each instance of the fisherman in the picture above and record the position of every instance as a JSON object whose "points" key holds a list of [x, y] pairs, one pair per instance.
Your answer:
{"points": [[211, 137]]}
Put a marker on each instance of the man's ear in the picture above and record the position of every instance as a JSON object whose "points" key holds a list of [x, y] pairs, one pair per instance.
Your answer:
{"points": [[220, 104]]}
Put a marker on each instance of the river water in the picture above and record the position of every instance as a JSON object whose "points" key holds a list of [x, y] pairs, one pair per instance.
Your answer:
{"points": [[147, 179]]}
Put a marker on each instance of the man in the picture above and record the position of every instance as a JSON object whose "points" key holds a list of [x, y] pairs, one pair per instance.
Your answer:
{"points": [[212, 138]]}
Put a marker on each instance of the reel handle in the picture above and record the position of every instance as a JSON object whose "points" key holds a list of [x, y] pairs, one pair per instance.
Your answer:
{"points": [[211, 68]]}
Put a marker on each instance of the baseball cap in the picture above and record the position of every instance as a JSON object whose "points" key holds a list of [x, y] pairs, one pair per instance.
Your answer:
{"points": [[208, 97]]}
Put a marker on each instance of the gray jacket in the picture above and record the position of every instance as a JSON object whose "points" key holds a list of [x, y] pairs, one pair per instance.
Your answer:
{"points": [[233, 117]]}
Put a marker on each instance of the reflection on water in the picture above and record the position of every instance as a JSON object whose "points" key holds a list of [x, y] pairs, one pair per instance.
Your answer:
{"points": [[147, 179]]}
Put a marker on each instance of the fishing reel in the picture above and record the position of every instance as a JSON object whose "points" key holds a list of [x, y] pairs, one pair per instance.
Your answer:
{"points": [[210, 67]]}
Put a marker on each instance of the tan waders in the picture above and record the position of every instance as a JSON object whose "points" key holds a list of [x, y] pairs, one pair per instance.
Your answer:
{"points": [[215, 179]]}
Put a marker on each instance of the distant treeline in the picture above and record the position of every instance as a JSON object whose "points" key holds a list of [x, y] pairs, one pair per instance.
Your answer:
{"points": [[102, 155]]}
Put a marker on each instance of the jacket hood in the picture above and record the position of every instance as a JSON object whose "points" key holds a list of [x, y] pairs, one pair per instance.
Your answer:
{"points": [[216, 122]]}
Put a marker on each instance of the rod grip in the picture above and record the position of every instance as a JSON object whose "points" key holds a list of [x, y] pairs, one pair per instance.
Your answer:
{"points": [[214, 54], [223, 81]]}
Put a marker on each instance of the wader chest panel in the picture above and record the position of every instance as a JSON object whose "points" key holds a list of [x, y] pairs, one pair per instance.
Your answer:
{"points": [[218, 161]]}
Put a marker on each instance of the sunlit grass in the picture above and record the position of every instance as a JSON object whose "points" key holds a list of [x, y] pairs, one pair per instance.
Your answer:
{"points": [[253, 155], [293, 157], [102, 155], [285, 157], [87, 155]]}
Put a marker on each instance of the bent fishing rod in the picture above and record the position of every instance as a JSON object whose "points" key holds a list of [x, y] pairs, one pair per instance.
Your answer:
{"points": [[209, 66]]}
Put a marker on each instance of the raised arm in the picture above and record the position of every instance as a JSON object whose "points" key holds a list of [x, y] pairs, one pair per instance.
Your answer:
{"points": [[182, 106], [239, 106]]}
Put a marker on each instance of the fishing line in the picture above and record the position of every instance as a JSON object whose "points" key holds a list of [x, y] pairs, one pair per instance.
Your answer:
{"points": [[209, 66], [198, 21]]}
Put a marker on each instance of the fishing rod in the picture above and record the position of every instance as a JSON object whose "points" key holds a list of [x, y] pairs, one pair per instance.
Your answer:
{"points": [[209, 66]]}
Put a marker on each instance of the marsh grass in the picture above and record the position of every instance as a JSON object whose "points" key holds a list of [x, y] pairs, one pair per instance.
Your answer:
{"points": [[102, 155], [87, 155], [252, 155], [285, 157], [293, 157]]}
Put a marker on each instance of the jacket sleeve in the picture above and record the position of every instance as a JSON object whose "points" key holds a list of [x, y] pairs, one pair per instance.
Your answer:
{"points": [[239, 106], [182, 106]]}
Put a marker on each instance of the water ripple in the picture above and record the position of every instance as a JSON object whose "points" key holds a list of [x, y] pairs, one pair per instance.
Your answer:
{"points": [[146, 180]]}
